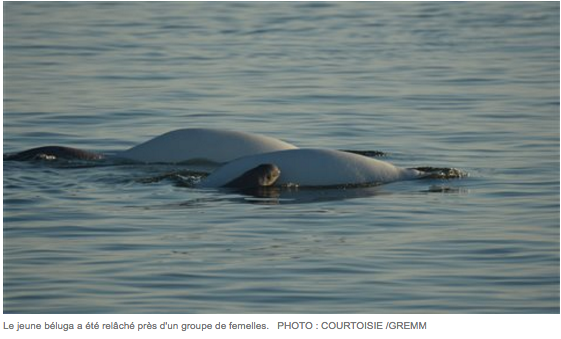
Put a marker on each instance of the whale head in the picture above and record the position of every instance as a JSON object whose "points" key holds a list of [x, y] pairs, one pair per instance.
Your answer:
{"points": [[263, 175]]}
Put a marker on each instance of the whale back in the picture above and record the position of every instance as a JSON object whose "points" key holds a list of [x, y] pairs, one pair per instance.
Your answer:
{"points": [[200, 144], [314, 167]]}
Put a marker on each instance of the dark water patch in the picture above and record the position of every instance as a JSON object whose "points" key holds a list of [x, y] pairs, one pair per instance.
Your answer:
{"points": [[184, 178]]}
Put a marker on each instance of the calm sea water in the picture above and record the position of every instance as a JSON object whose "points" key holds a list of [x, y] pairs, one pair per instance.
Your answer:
{"points": [[473, 86]]}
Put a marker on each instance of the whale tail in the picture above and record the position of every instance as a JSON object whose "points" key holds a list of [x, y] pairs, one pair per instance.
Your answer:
{"points": [[439, 172], [50, 153]]}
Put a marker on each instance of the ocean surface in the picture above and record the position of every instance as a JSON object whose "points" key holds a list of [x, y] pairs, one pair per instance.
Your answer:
{"points": [[472, 86]]}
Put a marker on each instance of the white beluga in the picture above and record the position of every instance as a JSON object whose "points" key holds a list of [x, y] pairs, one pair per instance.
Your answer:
{"points": [[312, 167], [192, 144], [183, 145]]}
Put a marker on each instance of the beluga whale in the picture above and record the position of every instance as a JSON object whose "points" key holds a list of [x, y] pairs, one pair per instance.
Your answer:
{"points": [[183, 145], [214, 145], [313, 167]]}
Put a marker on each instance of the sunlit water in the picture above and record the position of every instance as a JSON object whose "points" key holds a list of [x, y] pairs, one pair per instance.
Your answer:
{"points": [[473, 86]]}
